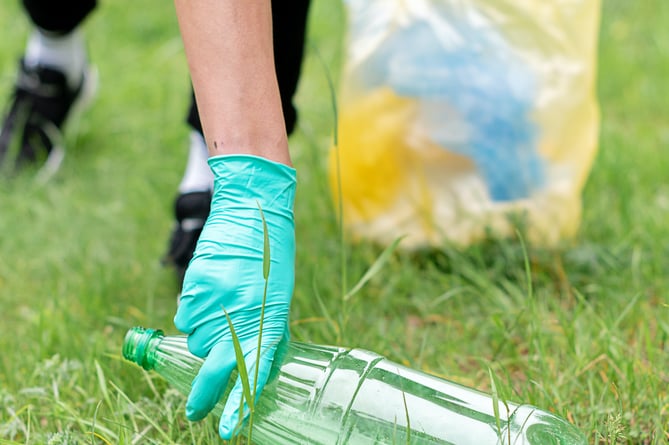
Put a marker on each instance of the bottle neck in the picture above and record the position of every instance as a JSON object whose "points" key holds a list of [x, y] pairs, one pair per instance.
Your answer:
{"points": [[140, 344]]}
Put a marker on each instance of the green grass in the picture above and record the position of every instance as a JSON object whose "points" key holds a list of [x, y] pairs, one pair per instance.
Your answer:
{"points": [[79, 257]]}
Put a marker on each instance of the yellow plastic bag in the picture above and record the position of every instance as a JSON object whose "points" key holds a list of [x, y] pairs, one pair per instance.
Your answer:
{"points": [[457, 117]]}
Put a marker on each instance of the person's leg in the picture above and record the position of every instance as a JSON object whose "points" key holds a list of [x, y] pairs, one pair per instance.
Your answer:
{"points": [[191, 206], [56, 41], [58, 17], [52, 74], [289, 27]]}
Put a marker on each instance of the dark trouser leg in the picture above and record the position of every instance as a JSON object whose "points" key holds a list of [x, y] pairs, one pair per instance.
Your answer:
{"points": [[58, 16]]}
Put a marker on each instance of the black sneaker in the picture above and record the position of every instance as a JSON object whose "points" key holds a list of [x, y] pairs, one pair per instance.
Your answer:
{"points": [[32, 128], [191, 211]]}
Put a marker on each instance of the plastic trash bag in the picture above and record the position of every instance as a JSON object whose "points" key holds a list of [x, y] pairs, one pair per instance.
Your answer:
{"points": [[460, 119]]}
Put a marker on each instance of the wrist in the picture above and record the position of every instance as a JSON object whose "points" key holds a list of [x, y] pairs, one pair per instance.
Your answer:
{"points": [[246, 180]]}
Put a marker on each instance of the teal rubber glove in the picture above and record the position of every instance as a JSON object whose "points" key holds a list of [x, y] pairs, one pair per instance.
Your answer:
{"points": [[227, 272]]}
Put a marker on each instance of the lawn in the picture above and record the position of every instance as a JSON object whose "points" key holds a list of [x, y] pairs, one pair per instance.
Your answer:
{"points": [[586, 337]]}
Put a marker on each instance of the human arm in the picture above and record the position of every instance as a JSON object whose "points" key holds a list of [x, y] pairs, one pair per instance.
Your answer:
{"points": [[230, 55], [229, 50]]}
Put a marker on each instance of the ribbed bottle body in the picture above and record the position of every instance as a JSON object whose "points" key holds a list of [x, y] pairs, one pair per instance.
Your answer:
{"points": [[326, 395]]}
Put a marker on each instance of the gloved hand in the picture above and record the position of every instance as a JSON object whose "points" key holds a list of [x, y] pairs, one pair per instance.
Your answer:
{"points": [[227, 272]]}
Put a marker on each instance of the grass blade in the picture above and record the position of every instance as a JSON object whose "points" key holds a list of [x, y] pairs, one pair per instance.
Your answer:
{"points": [[374, 268], [266, 260], [335, 143], [265, 252], [241, 364], [495, 402]]}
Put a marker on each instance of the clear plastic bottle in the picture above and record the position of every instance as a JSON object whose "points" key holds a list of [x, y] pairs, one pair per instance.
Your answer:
{"points": [[330, 395]]}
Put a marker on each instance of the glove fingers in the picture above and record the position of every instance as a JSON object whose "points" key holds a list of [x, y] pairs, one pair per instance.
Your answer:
{"points": [[230, 416], [210, 383]]}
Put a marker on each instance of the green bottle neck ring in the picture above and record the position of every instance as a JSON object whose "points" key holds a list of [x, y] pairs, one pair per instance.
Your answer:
{"points": [[137, 343]]}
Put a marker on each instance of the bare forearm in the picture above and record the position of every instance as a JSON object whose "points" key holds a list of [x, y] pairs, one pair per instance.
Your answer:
{"points": [[229, 49]]}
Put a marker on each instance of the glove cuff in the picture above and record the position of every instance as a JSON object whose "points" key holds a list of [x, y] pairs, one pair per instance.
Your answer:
{"points": [[241, 180]]}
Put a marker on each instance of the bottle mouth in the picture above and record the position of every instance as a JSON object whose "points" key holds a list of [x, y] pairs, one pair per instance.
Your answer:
{"points": [[135, 345]]}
